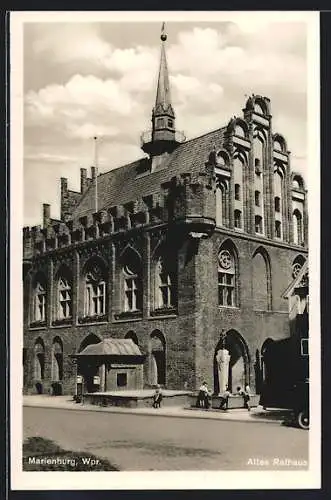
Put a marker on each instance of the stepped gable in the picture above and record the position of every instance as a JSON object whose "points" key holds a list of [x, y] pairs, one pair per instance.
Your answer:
{"points": [[123, 185]]}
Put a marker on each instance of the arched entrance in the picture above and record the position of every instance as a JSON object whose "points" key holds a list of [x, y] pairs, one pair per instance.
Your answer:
{"points": [[157, 359], [87, 366], [238, 371]]}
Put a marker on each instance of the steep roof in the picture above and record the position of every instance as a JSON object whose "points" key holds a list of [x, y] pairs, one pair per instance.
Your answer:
{"points": [[124, 184]]}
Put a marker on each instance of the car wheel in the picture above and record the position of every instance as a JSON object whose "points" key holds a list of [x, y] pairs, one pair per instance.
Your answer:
{"points": [[303, 419]]}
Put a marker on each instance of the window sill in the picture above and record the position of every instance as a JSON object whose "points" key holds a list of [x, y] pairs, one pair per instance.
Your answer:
{"points": [[129, 315], [164, 311], [229, 307], [92, 319], [38, 324], [62, 322]]}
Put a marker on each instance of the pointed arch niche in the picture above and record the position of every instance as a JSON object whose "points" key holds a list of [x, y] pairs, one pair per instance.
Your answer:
{"points": [[164, 278], [239, 366], [63, 295], [228, 275], [131, 293], [39, 299], [39, 364], [157, 358], [261, 280], [95, 288]]}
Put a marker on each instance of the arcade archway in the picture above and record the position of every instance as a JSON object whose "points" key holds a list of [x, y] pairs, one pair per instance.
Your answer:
{"points": [[238, 369]]}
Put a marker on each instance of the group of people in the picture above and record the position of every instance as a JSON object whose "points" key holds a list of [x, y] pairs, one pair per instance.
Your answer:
{"points": [[203, 400], [204, 395]]}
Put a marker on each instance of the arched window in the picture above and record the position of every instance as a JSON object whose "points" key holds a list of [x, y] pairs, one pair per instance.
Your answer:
{"points": [[277, 204], [64, 309], [227, 278], [39, 299], [258, 224], [95, 289], [278, 229], [220, 205], [237, 192], [257, 198], [132, 281], [297, 227], [261, 281], [157, 358], [165, 290], [237, 219]]}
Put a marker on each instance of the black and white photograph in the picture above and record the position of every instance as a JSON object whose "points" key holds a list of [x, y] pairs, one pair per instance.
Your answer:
{"points": [[165, 250]]}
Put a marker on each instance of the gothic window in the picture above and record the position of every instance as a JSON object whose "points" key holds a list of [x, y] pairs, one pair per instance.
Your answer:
{"points": [[261, 281], [95, 291], [226, 279], [219, 205], [257, 198], [170, 123], [132, 289], [64, 299], [165, 289], [278, 229], [277, 204], [237, 219], [39, 302], [297, 227], [237, 192], [257, 164], [258, 224]]}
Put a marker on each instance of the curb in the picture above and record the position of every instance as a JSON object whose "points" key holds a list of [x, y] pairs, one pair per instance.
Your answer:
{"points": [[210, 416]]}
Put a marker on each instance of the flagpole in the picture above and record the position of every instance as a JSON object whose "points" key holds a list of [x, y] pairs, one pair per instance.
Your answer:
{"points": [[96, 171]]}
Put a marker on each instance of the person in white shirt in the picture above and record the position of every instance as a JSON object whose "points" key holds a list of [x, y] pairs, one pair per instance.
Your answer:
{"points": [[203, 396]]}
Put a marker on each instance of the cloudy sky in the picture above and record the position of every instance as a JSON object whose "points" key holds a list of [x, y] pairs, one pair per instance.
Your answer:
{"points": [[99, 78]]}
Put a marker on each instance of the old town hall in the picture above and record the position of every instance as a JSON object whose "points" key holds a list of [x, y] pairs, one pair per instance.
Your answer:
{"points": [[152, 261]]}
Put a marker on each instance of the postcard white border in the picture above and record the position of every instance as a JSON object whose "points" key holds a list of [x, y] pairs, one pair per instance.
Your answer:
{"points": [[159, 480]]}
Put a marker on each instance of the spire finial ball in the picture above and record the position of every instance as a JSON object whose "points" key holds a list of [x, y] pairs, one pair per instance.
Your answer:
{"points": [[163, 37]]}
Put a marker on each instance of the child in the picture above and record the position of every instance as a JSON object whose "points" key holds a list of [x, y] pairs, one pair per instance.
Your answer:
{"points": [[157, 397], [203, 396], [224, 405]]}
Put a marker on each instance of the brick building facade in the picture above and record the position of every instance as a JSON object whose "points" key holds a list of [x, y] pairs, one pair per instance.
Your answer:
{"points": [[196, 238]]}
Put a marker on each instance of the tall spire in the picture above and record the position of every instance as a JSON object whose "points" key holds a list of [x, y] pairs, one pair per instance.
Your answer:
{"points": [[163, 97], [163, 138]]}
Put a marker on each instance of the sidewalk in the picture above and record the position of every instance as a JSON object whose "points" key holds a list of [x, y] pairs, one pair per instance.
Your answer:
{"points": [[256, 415]]}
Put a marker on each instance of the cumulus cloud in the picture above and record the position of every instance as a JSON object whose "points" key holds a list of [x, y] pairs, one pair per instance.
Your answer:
{"points": [[83, 81]]}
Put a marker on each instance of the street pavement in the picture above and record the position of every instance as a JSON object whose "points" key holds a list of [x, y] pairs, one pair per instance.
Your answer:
{"points": [[133, 440]]}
